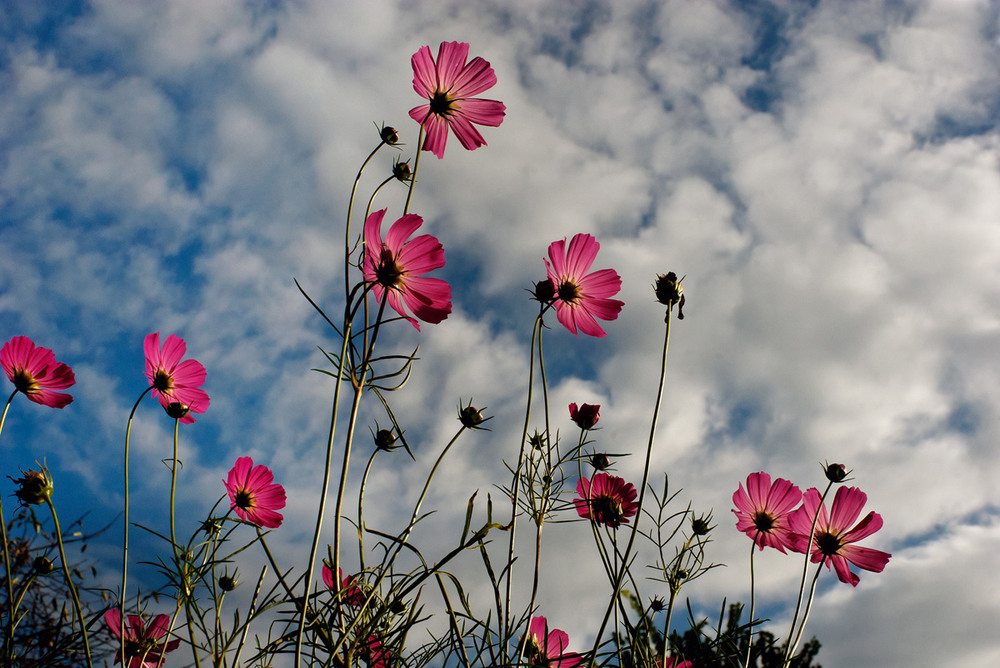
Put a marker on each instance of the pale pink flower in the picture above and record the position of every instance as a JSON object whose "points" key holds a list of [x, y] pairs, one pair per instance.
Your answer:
{"points": [[448, 85], [35, 372], [585, 416], [394, 269], [175, 383], [143, 648], [352, 595], [254, 495], [546, 648], [606, 499], [763, 510], [834, 538], [580, 297]]}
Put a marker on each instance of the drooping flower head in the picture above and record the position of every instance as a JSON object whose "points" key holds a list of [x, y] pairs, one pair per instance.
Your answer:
{"points": [[546, 648], [352, 595], [580, 297], [394, 268], [254, 495], [763, 510], [448, 85], [143, 648], [834, 538], [585, 416], [35, 372], [606, 499], [175, 383]]}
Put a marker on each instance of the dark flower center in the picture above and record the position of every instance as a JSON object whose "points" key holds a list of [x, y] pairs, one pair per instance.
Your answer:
{"points": [[441, 103], [388, 272], [607, 510], [244, 499], [568, 292], [24, 381], [829, 544], [764, 522], [162, 381]]}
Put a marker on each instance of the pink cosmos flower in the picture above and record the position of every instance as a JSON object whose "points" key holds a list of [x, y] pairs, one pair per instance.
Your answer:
{"points": [[764, 509], [352, 594], [585, 416], [375, 655], [581, 297], [606, 499], [449, 85], [834, 537], [671, 662], [546, 648], [394, 269], [253, 494], [175, 383], [35, 372], [142, 646]]}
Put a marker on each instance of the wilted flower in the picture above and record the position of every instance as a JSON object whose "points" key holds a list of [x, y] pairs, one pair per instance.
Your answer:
{"points": [[35, 372], [448, 85], [546, 648], [395, 268], [253, 494], [174, 381], [606, 499], [582, 297], [763, 510], [585, 416], [701, 526], [834, 537], [142, 645], [34, 487]]}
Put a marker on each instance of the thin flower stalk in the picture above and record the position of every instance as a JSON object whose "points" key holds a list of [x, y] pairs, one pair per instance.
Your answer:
{"points": [[121, 601], [753, 601], [184, 595], [77, 608], [645, 478]]}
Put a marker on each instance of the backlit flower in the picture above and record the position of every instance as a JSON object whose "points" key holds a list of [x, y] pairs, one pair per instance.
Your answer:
{"points": [[174, 381], [35, 372], [546, 648], [582, 297], [606, 499], [834, 538], [394, 268], [448, 85], [671, 662], [352, 595], [763, 510], [254, 495], [142, 645], [585, 416]]}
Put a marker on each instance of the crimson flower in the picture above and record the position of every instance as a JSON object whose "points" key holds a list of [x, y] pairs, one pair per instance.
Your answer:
{"points": [[175, 383], [546, 648], [142, 646], [606, 499], [35, 372], [449, 85], [585, 416], [833, 539], [352, 594], [581, 297], [764, 509], [254, 495], [394, 269]]}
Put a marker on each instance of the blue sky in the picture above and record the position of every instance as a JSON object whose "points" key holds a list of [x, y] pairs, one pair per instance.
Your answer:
{"points": [[825, 174]]}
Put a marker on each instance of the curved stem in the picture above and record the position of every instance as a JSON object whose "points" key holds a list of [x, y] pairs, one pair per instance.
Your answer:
{"points": [[12, 608], [69, 581], [121, 602]]}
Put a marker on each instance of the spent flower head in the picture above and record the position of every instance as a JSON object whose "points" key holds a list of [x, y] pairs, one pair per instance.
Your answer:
{"points": [[449, 84], [670, 292], [36, 373], [33, 487]]}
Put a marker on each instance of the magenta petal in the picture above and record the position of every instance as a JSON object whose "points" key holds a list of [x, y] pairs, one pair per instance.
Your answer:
{"points": [[477, 76], [424, 72], [401, 231]]}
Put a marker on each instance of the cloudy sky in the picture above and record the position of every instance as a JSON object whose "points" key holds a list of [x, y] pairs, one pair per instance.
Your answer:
{"points": [[824, 173]]}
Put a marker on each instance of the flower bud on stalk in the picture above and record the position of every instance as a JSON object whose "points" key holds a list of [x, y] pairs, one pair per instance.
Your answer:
{"points": [[35, 488], [670, 291]]}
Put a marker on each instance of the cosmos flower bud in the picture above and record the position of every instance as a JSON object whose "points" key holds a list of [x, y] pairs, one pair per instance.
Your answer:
{"points": [[177, 410], [670, 291], [385, 440], [35, 488], [836, 472], [389, 135], [657, 604], [471, 417], [401, 171], [700, 526], [544, 291], [600, 461], [228, 582], [537, 441], [43, 565]]}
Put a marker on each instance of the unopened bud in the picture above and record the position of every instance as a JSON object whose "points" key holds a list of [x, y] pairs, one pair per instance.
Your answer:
{"points": [[177, 410], [228, 582], [35, 488], [43, 565], [700, 526], [670, 291], [544, 291], [389, 135], [401, 171], [471, 417], [600, 461], [836, 472], [385, 440]]}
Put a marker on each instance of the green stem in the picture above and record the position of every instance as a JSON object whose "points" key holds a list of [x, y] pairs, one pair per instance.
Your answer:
{"points": [[69, 581], [416, 165], [753, 548], [184, 588], [121, 602], [12, 608]]}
